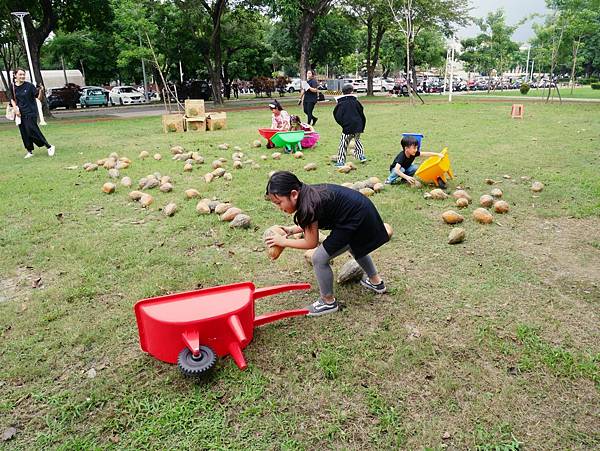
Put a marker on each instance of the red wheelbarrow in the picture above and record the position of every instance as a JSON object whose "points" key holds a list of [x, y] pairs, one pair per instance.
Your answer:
{"points": [[193, 328]]}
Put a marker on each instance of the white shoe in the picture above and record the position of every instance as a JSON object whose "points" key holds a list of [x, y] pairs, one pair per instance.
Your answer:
{"points": [[51, 150], [28, 155]]}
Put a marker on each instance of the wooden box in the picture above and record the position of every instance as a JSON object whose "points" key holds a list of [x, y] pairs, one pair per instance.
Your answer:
{"points": [[216, 121], [173, 123], [195, 124], [194, 108]]}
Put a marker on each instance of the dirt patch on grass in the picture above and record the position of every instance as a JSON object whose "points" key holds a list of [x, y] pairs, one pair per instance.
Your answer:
{"points": [[15, 287]]}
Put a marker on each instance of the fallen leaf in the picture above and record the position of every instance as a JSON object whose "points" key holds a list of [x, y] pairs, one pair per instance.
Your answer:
{"points": [[37, 283], [8, 434]]}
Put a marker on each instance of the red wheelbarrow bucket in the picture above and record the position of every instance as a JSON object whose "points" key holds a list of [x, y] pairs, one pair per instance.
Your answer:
{"points": [[193, 328], [268, 133]]}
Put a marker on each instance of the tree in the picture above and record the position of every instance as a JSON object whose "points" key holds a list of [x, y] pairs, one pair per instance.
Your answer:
{"points": [[415, 16], [375, 17], [11, 53]]}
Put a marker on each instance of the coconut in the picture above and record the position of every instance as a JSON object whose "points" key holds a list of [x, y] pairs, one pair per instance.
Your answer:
{"points": [[452, 217], [360, 185], [126, 181], [188, 167], [352, 165], [310, 167], [121, 165], [191, 193], [230, 214], [456, 235], [496, 192], [462, 203], [461, 194], [114, 155], [374, 180], [213, 204], [415, 184], [501, 206], [237, 164], [366, 192], [113, 173], [344, 169], [489, 181], [483, 216], [175, 150], [219, 172], [203, 207], [350, 272], [166, 179], [348, 184], [256, 143], [135, 195], [217, 164], [333, 158], [199, 159], [157, 156], [486, 201], [109, 188], [276, 155], [263, 157], [507, 177], [378, 187], [151, 183], [388, 229], [223, 146], [157, 176], [222, 208], [237, 148], [101, 162], [170, 209], [298, 155], [237, 156], [249, 162], [427, 196], [308, 255], [208, 177], [537, 187], [110, 163], [166, 188], [146, 200], [228, 176], [241, 221], [91, 167], [275, 251], [438, 194]]}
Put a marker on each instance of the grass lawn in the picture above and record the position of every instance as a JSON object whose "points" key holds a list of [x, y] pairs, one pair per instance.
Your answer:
{"points": [[581, 92], [489, 344]]}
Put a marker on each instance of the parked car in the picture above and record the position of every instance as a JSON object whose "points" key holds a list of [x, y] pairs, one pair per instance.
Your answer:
{"points": [[66, 96], [383, 84], [92, 96], [358, 84], [294, 85], [125, 95]]}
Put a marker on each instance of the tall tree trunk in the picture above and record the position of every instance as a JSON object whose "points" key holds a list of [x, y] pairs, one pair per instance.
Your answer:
{"points": [[575, 50], [307, 32], [370, 68]]}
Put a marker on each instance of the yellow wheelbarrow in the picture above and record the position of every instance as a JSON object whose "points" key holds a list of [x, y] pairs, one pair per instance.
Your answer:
{"points": [[436, 169]]}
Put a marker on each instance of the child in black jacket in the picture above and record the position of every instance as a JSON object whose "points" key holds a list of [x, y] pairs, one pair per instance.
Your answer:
{"points": [[349, 114]]}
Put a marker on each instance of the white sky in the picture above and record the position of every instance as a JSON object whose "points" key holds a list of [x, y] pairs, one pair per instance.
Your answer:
{"points": [[514, 10]]}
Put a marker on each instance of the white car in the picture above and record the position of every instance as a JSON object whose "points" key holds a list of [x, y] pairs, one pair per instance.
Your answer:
{"points": [[294, 85], [357, 83], [125, 95], [383, 84]]}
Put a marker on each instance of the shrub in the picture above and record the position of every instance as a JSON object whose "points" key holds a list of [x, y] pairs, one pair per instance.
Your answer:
{"points": [[595, 85], [524, 88]]}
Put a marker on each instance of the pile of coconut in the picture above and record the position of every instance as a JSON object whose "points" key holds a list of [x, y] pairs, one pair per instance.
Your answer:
{"points": [[349, 166], [226, 211], [113, 163], [366, 187]]}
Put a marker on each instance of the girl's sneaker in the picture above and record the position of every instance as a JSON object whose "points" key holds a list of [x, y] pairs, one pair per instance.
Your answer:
{"points": [[28, 155], [380, 288], [320, 307], [339, 165]]}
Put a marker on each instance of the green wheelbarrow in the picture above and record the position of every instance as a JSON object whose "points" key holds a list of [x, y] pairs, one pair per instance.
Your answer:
{"points": [[289, 140]]}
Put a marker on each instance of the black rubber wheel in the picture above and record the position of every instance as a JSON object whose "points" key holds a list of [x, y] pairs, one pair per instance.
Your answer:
{"points": [[196, 366], [441, 183]]}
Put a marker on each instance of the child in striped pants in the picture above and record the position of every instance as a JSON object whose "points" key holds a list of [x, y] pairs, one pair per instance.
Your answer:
{"points": [[349, 114]]}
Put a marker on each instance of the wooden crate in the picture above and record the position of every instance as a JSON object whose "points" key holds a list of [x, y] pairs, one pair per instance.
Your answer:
{"points": [[216, 121], [195, 124], [194, 108], [173, 123]]}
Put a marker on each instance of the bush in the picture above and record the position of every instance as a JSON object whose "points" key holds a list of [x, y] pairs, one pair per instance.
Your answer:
{"points": [[524, 88], [595, 85], [588, 81]]}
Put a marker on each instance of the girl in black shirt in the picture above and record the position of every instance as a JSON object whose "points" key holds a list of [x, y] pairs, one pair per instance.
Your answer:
{"points": [[26, 109], [352, 218]]}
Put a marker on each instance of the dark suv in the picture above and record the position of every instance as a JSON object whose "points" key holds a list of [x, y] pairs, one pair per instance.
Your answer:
{"points": [[66, 96]]}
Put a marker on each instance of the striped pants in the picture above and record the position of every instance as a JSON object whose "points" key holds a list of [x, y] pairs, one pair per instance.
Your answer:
{"points": [[359, 152]]}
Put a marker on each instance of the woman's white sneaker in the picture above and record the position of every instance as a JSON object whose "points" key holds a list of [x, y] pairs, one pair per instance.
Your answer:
{"points": [[28, 155], [51, 150]]}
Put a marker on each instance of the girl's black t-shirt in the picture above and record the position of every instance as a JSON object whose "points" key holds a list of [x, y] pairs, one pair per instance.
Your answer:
{"points": [[25, 95], [352, 218]]}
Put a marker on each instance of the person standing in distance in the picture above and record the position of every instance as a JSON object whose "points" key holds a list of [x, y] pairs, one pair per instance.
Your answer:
{"points": [[309, 97], [26, 109]]}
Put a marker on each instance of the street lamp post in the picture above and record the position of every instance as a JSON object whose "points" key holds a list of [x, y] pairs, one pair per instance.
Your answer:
{"points": [[20, 15]]}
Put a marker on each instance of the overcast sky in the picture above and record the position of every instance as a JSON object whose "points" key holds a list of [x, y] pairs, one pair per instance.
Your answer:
{"points": [[515, 10]]}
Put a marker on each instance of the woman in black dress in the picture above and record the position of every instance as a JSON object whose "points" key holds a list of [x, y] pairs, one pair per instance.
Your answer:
{"points": [[26, 109], [352, 218]]}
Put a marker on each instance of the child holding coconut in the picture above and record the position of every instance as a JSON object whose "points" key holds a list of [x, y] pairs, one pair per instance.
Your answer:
{"points": [[354, 222], [402, 167]]}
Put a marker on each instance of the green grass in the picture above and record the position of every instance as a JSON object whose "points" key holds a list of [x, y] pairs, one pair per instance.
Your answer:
{"points": [[581, 92], [490, 344]]}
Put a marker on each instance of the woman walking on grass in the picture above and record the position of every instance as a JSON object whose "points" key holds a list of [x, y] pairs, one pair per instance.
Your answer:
{"points": [[26, 110]]}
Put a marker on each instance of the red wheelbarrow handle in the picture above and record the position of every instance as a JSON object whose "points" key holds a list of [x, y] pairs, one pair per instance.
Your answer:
{"points": [[269, 291]]}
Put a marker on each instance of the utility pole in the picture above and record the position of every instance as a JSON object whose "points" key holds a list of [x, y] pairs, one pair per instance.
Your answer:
{"points": [[451, 70], [180, 72], [62, 61], [527, 65], [446, 69], [20, 15]]}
